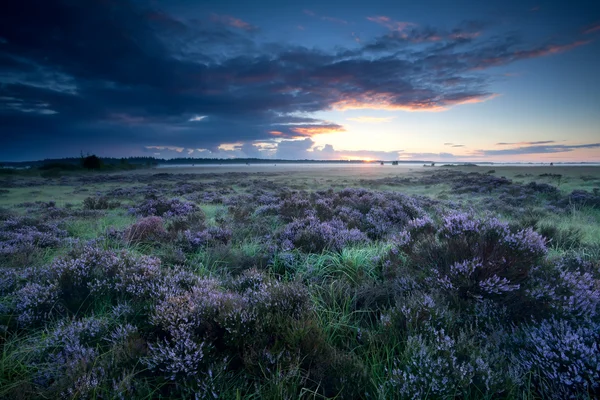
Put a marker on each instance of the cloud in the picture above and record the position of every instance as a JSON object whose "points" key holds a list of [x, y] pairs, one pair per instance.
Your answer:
{"points": [[390, 23], [294, 149], [371, 120], [306, 149], [317, 129], [538, 149], [150, 77], [233, 22], [454, 145], [525, 143], [592, 29]]}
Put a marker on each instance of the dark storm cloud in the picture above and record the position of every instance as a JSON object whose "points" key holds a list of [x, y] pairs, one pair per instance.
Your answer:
{"points": [[113, 74]]}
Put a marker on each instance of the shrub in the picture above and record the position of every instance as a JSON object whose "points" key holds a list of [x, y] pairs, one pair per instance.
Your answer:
{"points": [[149, 229], [562, 358], [162, 207], [193, 241], [313, 236], [99, 203]]}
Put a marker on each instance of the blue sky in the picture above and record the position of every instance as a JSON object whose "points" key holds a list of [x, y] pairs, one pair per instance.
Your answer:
{"points": [[433, 80]]}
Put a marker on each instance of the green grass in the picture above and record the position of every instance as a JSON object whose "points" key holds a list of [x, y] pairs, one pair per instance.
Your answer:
{"points": [[90, 228]]}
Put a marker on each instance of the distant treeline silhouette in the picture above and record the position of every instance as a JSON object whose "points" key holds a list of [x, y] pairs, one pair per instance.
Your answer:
{"points": [[76, 162]]}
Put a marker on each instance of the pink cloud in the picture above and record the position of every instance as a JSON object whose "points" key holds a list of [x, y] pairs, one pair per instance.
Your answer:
{"points": [[595, 28], [551, 49], [233, 22], [390, 23]]}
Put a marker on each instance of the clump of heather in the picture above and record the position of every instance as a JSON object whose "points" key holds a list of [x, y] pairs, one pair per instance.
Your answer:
{"points": [[471, 258], [148, 229], [240, 321], [561, 357], [213, 235], [311, 235], [22, 238], [432, 368], [73, 284], [163, 207], [99, 203], [85, 358]]}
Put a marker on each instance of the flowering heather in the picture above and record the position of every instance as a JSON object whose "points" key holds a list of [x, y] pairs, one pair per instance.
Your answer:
{"points": [[163, 207], [313, 236], [212, 235], [563, 358], [69, 284], [432, 368], [20, 234]]}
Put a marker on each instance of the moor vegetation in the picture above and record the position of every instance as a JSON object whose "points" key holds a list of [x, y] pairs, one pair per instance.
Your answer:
{"points": [[445, 284]]}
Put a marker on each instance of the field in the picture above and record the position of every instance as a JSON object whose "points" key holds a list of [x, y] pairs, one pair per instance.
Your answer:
{"points": [[278, 282]]}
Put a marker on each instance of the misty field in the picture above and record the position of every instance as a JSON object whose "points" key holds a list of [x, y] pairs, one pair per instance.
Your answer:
{"points": [[275, 283]]}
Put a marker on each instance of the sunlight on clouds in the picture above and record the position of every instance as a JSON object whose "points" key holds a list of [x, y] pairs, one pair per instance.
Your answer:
{"points": [[316, 130], [197, 118], [230, 146], [388, 101], [172, 148]]}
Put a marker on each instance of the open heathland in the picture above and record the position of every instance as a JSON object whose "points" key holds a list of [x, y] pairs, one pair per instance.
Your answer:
{"points": [[287, 282]]}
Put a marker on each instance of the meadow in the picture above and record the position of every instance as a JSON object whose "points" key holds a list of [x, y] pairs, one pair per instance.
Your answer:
{"points": [[319, 283]]}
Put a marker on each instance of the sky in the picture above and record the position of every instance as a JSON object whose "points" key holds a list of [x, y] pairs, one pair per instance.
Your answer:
{"points": [[503, 81]]}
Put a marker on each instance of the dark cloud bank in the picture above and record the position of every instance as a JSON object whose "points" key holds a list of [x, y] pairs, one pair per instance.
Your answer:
{"points": [[113, 76]]}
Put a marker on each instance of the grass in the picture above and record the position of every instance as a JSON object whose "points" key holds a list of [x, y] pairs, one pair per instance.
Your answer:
{"points": [[90, 228]]}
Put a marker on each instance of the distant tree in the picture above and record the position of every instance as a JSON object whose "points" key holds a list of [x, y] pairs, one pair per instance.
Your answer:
{"points": [[91, 162]]}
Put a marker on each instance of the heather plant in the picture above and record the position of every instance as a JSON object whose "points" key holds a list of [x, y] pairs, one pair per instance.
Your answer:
{"points": [[22, 239], [313, 236], [432, 366], [211, 236], [562, 358], [148, 229], [73, 284], [163, 207], [99, 203]]}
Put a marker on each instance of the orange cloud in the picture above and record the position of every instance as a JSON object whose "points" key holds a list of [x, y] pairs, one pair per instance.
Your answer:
{"points": [[276, 133], [234, 22], [316, 130]]}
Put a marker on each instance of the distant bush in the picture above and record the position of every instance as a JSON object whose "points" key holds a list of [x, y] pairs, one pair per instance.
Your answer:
{"points": [[99, 203], [91, 162]]}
